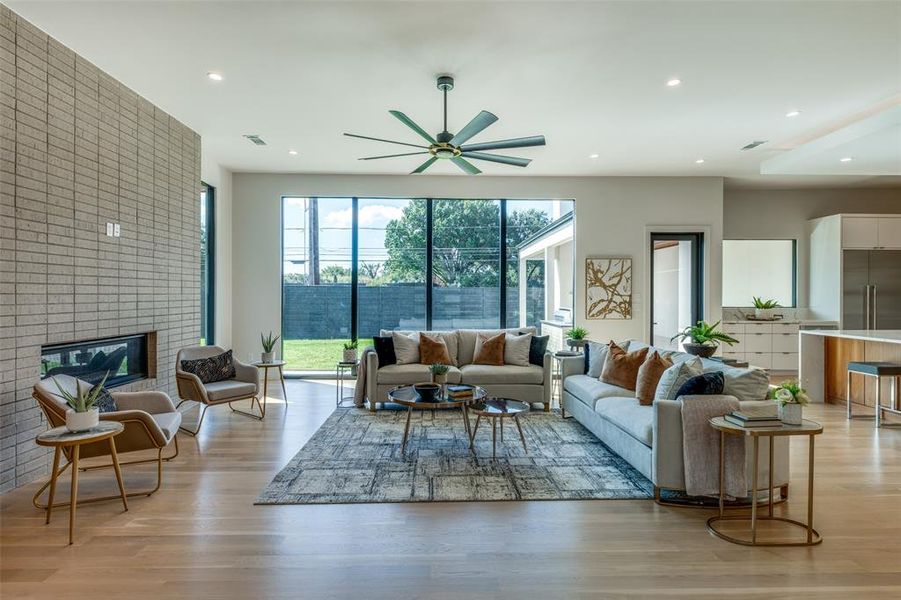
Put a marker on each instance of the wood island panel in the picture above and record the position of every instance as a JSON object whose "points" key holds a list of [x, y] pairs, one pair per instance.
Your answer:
{"points": [[841, 351]]}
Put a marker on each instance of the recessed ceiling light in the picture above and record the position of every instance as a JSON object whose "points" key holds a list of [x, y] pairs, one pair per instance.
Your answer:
{"points": [[793, 113], [674, 82], [593, 155], [292, 152], [699, 161], [215, 76], [846, 159]]}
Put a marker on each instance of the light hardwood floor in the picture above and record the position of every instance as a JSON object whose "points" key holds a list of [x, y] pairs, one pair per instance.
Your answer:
{"points": [[201, 537]]}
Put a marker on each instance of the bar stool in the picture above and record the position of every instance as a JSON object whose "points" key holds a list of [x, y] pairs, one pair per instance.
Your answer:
{"points": [[877, 370]]}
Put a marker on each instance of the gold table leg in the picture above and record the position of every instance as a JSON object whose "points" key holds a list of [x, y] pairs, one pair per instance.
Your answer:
{"points": [[475, 428], [53, 475], [521, 436], [281, 375], [115, 457], [754, 492], [73, 498], [493, 437], [810, 530], [403, 444]]}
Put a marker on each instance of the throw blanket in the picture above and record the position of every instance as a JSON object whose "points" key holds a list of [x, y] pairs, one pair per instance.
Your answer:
{"points": [[360, 389], [701, 449]]}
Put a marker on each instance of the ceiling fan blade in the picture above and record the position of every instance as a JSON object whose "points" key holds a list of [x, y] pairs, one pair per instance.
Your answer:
{"points": [[466, 166], [523, 142], [409, 123], [507, 160], [366, 137], [393, 155], [474, 127], [424, 165]]}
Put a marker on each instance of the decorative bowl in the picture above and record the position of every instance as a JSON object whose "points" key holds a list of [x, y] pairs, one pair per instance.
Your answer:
{"points": [[427, 391]]}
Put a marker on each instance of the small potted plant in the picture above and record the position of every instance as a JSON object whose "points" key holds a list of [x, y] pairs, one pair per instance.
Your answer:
{"points": [[704, 339], [268, 342], [764, 310], [439, 373], [791, 398], [350, 351], [82, 415], [576, 338]]}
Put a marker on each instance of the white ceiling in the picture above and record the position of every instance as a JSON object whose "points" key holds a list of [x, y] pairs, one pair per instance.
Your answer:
{"points": [[589, 76]]}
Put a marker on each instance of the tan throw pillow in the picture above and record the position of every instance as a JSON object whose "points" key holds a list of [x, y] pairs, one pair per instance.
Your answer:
{"points": [[433, 351], [489, 349], [406, 348], [516, 349], [649, 375], [621, 367]]}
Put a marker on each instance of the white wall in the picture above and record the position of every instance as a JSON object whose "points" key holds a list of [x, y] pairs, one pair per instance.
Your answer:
{"points": [[783, 214], [612, 216]]}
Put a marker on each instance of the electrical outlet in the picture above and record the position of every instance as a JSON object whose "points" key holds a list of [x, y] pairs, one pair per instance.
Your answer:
{"points": [[116, 230], [109, 230]]}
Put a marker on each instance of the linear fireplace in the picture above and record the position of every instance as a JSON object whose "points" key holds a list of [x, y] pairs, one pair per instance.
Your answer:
{"points": [[126, 358]]}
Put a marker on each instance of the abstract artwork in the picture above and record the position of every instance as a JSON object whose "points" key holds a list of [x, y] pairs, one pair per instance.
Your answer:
{"points": [[608, 288]]}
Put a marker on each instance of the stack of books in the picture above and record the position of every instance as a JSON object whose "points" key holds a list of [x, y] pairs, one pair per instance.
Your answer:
{"points": [[757, 417], [459, 391]]}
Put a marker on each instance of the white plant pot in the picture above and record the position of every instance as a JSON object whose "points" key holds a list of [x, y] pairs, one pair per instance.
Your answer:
{"points": [[82, 421], [350, 356], [764, 313], [267, 357], [791, 414]]}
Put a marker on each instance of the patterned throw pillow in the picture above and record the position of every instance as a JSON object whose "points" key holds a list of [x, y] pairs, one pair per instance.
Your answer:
{"points": [[705, 384], [384, 349], [105, 401], [214, 368], [489, 349], [537, 349], [621, 367], [433, 350], [673, 378]]}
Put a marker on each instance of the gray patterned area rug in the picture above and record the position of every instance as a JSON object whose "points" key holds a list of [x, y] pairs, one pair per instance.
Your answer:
{"points": [[355, 458]]}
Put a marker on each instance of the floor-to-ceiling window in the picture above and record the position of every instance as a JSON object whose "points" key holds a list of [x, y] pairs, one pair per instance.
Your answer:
{"points": [[353, 267], [207, 263]]}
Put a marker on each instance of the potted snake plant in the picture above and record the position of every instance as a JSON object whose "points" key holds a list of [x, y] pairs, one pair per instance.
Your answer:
{"points": [[81, 415], [350, 351], [704, 339], [268, 342], [764, 310]]}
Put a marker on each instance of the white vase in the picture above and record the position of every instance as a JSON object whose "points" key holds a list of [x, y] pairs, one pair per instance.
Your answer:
{"points": [[82, 421], [764, 314], [791, 413], [267, 357], [350, 355]]}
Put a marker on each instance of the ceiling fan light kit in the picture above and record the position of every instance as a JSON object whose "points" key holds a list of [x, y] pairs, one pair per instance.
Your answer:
{"points": [[453, 147]]}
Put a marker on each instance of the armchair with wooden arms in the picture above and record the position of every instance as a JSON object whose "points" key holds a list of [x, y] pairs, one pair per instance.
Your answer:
{"points": [[150, 419], [243, 386]]}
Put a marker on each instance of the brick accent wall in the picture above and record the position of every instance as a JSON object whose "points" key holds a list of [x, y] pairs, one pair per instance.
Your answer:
{"points": [[79, 149]]}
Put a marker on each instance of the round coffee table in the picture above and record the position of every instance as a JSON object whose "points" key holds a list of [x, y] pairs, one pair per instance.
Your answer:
{"points": [[405, 395], [497, 409]]}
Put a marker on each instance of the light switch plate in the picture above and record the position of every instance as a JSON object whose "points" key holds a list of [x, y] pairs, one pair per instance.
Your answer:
{"points": [[109, 230], [116, 229]]}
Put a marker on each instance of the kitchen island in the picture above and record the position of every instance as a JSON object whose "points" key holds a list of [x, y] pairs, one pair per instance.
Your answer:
{"points": [[824, 359]]}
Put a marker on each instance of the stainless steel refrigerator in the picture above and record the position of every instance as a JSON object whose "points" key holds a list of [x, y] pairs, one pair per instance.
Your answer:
{"points": [[871, 295]]}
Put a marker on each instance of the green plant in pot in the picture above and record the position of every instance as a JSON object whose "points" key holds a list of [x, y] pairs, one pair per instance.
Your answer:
{"points": [[791, 398], [81, 415], [576, 337], [764, 309], [350, 351], [268, 345], [439, 373], [704, 338]]}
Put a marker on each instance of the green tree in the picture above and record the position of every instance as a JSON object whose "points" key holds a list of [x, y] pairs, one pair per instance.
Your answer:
{"points": [[465, 242], [334, 274]]}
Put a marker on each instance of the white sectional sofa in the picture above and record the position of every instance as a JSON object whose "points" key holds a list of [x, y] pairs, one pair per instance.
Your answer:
{"points": [[530, 384], [650, 437]]}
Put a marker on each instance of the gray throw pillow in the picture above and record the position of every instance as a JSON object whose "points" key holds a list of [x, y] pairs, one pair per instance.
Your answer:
{"points": [[674, 377], [744, 384]]}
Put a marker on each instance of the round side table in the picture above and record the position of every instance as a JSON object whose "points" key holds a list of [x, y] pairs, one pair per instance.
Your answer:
{"points": [[498, 409], [265, 366], [64, 441], [557, 377], [808, 428], [343, 371]]}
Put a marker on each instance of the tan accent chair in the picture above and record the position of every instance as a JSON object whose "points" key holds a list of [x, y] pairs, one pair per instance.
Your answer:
{"points": [[243, 386], [150, 419]]}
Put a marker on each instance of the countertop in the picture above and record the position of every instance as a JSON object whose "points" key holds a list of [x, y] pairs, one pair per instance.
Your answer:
{"points": [[783, 321], [887, 336]]}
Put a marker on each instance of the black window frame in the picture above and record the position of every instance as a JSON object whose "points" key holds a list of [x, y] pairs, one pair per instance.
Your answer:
{"points": [[210, 283], [697, 276]]}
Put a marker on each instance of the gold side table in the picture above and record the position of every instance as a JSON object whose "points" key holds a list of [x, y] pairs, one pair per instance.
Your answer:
{"points": [[64, 441], [809, 428], [265, 366]]}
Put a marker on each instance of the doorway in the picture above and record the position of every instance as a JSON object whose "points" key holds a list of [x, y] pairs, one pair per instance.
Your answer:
{"points": [[676, 285]]}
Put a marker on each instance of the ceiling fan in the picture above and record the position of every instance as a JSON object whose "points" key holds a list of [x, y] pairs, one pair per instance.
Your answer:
{"points": [[453, 147]]}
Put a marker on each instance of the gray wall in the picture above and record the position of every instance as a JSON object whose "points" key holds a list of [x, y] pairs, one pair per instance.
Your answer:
{"points": [[80, 150]]}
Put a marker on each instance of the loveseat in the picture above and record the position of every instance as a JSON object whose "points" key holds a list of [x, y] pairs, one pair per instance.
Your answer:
{"points": [[530, 384], [650, 437]]}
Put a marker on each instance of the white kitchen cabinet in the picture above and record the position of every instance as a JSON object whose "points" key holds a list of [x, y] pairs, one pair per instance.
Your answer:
{"points": [[860, 232], [767, 345], [889, 233], [785, 342], [764, 360], [785, 361], [758, 342]]}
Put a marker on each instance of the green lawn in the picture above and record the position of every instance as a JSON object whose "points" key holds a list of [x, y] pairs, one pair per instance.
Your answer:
{"points": [[312, 355]]}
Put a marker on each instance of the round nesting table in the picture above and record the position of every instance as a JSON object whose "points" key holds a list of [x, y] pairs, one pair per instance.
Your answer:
{"points": [[498, 409], [808, 428], [63, 440], [405, 395], [265, 366]]}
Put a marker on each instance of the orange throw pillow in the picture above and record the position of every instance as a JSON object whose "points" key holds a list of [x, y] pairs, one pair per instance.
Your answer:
{"points": [[621, 367], [433, 351], [489, 349], [649, 374]]}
